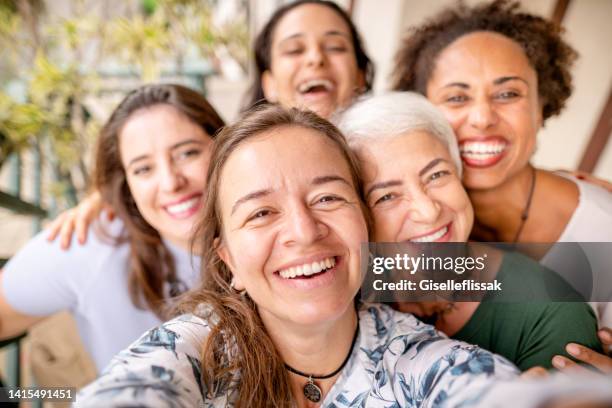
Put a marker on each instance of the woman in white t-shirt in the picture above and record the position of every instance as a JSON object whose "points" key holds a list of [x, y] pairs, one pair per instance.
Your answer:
{"points": [[497, 74], [150, 166]]}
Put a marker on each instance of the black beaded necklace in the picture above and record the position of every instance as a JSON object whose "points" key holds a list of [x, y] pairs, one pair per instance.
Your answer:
{"points": [[312, 391]]}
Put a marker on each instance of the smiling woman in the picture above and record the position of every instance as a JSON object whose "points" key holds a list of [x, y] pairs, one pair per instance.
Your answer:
{"points": [[497, 74], [309, 55], [411, 175], [150, 164]]}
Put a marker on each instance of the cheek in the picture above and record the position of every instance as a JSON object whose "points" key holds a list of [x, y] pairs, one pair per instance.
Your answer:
{"points": [[460, 204], [197, 172], [282, 71], [249, 251], [454, 117], [141, 191], [386, 225]]}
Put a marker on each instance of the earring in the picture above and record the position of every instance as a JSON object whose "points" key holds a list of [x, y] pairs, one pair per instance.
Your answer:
{"points": [[233, 286]]}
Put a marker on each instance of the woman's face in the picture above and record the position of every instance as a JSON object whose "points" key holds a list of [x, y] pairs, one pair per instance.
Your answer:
{"points": [[312, 61], [486, 88], [165, 156], [292, 226], [413, 190]]}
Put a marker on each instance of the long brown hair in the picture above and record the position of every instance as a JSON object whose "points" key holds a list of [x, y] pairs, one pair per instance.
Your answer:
{"points": [[238, 347], [151, 263], [263, 53]]}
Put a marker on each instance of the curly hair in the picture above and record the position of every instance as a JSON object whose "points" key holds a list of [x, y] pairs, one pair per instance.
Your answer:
{"points": [[549, 55]]}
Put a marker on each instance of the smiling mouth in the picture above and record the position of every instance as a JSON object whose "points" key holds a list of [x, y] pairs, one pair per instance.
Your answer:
{"points": [[308, 270], [434, 236], [482, 153], [315, 87], [185, 208]]}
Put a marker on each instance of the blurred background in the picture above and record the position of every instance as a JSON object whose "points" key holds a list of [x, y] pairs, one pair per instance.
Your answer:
{"points": [[64, 64]]}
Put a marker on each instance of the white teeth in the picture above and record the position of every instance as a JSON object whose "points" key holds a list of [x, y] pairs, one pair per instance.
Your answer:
{"points": [[431, 237], [308, 85], [184, 206], [308, 269], [480, 149]]}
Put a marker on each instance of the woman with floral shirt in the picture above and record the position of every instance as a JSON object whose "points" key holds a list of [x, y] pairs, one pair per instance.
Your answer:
{"points": [[274, 322]]}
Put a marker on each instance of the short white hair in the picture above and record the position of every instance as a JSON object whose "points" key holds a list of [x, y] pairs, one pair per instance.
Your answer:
{"points": [[393, 114]]}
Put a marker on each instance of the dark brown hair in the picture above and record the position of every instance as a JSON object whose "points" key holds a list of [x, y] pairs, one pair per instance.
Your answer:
{"points": [[238, 346], [540, 39], [151, 263], [262, 49]]}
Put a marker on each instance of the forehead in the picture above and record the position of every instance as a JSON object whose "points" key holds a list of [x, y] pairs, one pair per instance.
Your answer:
{"points": [[159, 125], [483, 52], [287, 156], [396, 154], [309, 19]]}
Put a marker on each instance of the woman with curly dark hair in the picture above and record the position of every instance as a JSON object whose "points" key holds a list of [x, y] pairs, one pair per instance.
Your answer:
{"points": [[498, 73]]}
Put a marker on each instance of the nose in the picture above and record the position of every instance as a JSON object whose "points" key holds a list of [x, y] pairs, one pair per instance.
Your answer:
{"points": [[303, 227], [171, 178], [315, 57], [482, 114], [423, 208]]}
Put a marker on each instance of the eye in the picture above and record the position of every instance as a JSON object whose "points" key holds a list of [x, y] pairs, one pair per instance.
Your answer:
{"points": [[385, 198], [507, 95], [329, 198], [336, 48], [142, 170], [260, 217], [293, 51], [438, 174], [456, 99], [189, 153]]}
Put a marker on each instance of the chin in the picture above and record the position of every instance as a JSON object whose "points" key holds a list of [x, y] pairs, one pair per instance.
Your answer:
{"points": [[479, 180], [321, 312]]}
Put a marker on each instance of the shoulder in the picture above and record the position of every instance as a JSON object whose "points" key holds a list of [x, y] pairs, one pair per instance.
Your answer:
{"points": [[592, 219], [422, 365], [164, 364], [40, 251]]}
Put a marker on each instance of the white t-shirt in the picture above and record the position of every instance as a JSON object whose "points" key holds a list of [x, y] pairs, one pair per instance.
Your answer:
{"points": [[591, 222], [91, 282]]}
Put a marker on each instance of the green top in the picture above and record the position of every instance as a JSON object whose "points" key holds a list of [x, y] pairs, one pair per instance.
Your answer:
{"points": [[531, 331]]}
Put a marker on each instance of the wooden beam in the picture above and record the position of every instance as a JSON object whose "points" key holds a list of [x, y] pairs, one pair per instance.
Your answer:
{"points": [[559, 11], [599, 138]]}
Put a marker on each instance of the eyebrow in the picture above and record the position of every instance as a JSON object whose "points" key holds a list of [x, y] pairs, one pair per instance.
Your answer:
{"points": [[497, 81], [251, 196], [431, 165], [317, 181], [327, 33], [383, 184], [173, 147]]}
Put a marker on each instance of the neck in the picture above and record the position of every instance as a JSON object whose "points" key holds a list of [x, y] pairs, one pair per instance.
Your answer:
{"points": [[498, 210], [316, 350]]}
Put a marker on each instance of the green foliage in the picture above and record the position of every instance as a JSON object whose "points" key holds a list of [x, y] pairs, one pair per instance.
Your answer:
{"points": [[56, 63]]}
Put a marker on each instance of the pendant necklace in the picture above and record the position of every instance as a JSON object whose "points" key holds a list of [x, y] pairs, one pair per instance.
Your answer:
{"points": [[311, 390], [525, 213]]}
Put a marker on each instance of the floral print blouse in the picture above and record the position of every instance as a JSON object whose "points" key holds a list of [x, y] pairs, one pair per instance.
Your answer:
{"points": [[397, 361]]}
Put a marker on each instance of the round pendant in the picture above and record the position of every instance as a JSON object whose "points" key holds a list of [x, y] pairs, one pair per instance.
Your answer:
{"points": [[312, 392]]}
